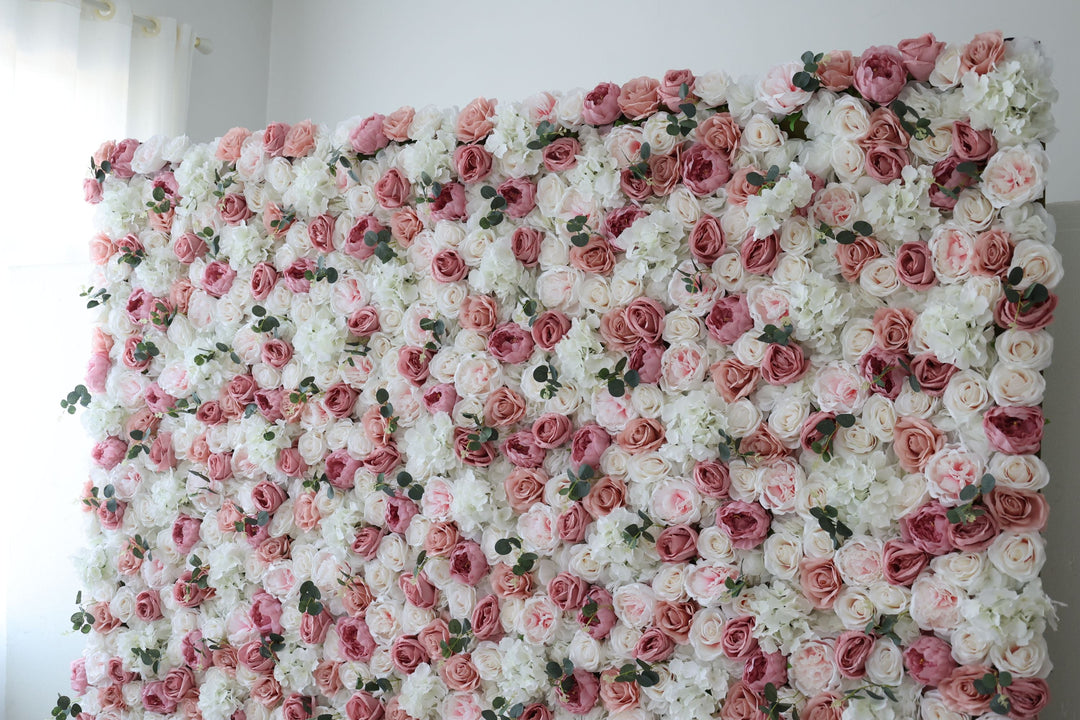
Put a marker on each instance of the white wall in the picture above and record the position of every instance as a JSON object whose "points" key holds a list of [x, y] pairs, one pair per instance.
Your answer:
{"points": [[332, 59]]}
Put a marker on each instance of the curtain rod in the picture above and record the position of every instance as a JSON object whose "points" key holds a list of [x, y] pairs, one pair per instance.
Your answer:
{"points": [[150, 25]]}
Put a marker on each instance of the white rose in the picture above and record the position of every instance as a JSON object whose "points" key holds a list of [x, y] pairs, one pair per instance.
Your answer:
{"points": [[946, 72], [856, 338], [478, 375], [634, 604], [1041, 263], [1023, 472], [1018, 555], [933, 707], [559, 288], [973, 211], [742, 416], [854, 608], [848, 160], [670, 583], [965, 569], [796, 236], [745, 481], [783, 552], [848, 118], [970, 645], [966, 394], [879, 277], [1015, 175], [915, 404], [761, 134], [791, 269], [1027, 660], [681, 326], [885, 666], [654, 131], [749, 350], [596, 295], [1025, 349], [488, 660], [735, 222], [706, 632], [586, 652], [788, 415], [684, 206], [1016, 386], [714, 546], [889, 599]]}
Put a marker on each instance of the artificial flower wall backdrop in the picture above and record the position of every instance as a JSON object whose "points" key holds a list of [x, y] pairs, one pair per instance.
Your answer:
{"points": [[683, 398]]}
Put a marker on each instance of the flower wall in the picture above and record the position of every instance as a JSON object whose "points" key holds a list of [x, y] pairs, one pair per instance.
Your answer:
{"points": [[684, 398]]}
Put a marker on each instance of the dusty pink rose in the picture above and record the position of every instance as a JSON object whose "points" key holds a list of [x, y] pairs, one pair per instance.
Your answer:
{"points": [[467, 563], [485, 618], [601, 105], [364, 706], [578, 693], [1028, 696], [852, 650], [356, 240], [392, 190], [820, 581], [368, 138], [712, 478], [880, 74], [520, 196], [218, 278], [524, 488], [983, 53], [525, 244], [522, 451], [783, 364], [760, 255], [728, 319], [927, 528], [449, 204], [561, 154], [970, 144], [440, 398], [763, 669], [572, 523], [638, 98], [589, 443], [355, 639], [567, 591], [1014, 430], [448, 266], [1017, 510], [474, 122], [720, 133], [1034, 316], [745, 524], [902, 562], [704, 170], [300, 139], [853, 257], [671, 93], [836, 71], [929, 660], [654, 646], [959, 692], [919, 55], [510, 343], [552, 430], [472, 163]]}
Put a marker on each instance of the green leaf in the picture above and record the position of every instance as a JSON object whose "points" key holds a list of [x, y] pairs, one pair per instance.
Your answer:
{"points": [[755, 179], [1016, 275], [826, 427], [487, 192], [502, 546], [845, 420], [969, 493], [1001, 704], [616, 387], [863, 228]]}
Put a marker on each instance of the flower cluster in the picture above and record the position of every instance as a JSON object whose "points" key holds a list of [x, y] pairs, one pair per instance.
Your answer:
{"points": [[678, 398]]}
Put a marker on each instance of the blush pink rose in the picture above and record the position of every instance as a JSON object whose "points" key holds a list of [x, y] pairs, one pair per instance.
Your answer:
{"points": [[300, 140], [522, 451], [880, 74], [189, 247], [551, 430], [638, 98], [218, 278], [929, 660], [440, 398], [397, 124], [524, 488], [1017, 510], [670, 89], [959, 692], [914, 441], [720, 133], [983, 53], [836, 71]]}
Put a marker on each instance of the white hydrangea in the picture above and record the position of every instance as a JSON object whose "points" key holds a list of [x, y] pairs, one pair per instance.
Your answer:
{"points": [[1015, 97], [953, 325], [768, 209]]}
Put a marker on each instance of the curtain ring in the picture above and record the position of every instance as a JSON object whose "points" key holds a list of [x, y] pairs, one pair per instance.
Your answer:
{"points": [[151, 26], [106, 10]]}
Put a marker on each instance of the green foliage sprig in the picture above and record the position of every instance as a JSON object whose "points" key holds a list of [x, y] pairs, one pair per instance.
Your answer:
{"points": [[266, 323], [315, 482], [773, 708], [148, 656], [546, 133], [437, 328], [806, 79], [1024, 299], [735, 586], [81, 621], [828, 429], [98, 296], [846, 237], [579, 485], [79, 396], [321, 272], [579, 225], [482, 434], [548, 375], [403, 480], [730, 449], [386, 409], [646, 677], [429, 189], [270, 645], [968, 511], [310, 599], [994, 684], [460, 637], [503, 710], [777, 335], [633, 534], [829, 521], [304, 391], [640, 169], [618, 380], [765, 181], [64, 707], [525, 562], [677, 127], [497, 205], [100, 171], [917, 127], [381, 242], [338, 157], [160, 203]]}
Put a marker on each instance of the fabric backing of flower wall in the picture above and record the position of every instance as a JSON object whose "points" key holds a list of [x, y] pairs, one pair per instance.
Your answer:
{"points": [[678, 399]]}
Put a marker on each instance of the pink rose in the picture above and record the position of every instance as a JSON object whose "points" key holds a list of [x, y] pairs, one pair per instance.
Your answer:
{"points": [[474, 122], [742, 703], [356, 239], [405, 225], [783, 364], [189, 247], [648, 360], [1014, 430], [567, 591], [467, 563], [92, 191], [902, 562], [929, 660], [653, 646], [599, 624], [638, 98], [974, 536], [397, 124], [355, 639], [914, 441], [561, 154], [1028, 697], [1017, 510], [109, 452], [760, 255], [520, 196], [363, 322], [927, 528], [364, 706], [525, 244], [266, 613], [478, 312], [263, 279], [578, 693], [341, 468], [449, 204], [392, 190], [884, 163], [300, 140], [712, 479], [737, 640], [970, 144], [728, 319], [763, 669], [440, 398], [704, 171], [413, 363], [485, 619], [880, 74], [234, 209], [148, 605], [366, 542], [274, 138], [983, 53], [589, 443], [601, 105], [121, 156], [733, 379], [155, 699], [677, 543], [572, 523], [510, 343], [852, 650], [837, 70], [447, 266], [551, 430], [670, 89], [459, 673], [745, 524], [522, 451], [368, 138], [1035, 316], [468, 453], [230, 144], [707, 240], [617, 695], [398, 513], [948, 178], [407, 654], [820, 581], [218, 278], [472, 163], [720, 133], [919, 55], [524, 488], [321, 232], [959, 692], [993, 253], [932, 375]]}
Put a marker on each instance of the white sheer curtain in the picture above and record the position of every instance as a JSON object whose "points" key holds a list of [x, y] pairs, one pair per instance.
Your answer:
{"points": [[70, 78]]}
